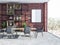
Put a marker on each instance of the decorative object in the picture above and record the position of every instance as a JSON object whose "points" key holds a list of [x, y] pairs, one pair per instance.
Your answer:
{"points": [[17, 18], [17, 6], [10, 6], [10, 23], [10, 12], [28, 17], [10, 17]]}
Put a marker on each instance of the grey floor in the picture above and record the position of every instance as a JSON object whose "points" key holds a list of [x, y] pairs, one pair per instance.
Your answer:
{"points": [[47, 39]]}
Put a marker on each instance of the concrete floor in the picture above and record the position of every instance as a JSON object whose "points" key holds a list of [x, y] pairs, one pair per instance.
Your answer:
{"points": [[47, 39], [55, 32]]}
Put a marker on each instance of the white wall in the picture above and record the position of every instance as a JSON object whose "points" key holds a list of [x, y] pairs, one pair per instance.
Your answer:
{"points": [[54, 9]]}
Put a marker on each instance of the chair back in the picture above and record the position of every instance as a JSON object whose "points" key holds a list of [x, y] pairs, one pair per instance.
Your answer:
{"points": [[27, 30], [40, 29], [8, 29]]}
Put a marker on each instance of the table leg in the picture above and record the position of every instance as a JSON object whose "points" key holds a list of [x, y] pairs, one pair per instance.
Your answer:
{"points": [[35, 34], [16, 33]]}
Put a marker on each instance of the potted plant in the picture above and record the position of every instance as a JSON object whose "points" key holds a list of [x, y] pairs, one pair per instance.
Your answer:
{"points": [[24, 24], [4, 24]]}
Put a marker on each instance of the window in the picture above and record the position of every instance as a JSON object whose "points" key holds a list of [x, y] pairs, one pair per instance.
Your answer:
{"points": [[36, 15]]}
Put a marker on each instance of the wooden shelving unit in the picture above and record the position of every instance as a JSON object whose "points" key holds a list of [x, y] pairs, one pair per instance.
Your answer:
{"points": [[12, 13]]}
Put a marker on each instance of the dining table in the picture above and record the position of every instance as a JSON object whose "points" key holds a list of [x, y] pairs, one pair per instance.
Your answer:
{"points": [[22, 30]]}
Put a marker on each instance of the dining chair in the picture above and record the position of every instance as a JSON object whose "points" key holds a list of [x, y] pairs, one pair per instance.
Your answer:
{"points": [[39, 29], [27, 30], [9, 32]]}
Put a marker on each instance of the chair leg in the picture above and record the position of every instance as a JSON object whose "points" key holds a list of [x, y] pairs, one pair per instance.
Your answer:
{"points": [[42, 34], [3, 35], [24, 35], [36, 34], [30, 36]]}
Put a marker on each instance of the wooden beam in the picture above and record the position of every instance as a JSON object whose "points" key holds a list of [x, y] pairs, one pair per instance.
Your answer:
{"points": [[45, 16]]}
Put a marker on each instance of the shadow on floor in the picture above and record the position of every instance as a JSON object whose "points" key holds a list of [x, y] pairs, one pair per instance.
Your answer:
{"points": [[9, 37]]}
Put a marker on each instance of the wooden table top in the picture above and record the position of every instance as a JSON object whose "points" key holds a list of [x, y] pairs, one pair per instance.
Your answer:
{"points": [[22, 29]]}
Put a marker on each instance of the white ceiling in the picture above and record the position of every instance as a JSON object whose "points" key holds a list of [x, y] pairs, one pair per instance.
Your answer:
{"points": [[24, 1]]}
